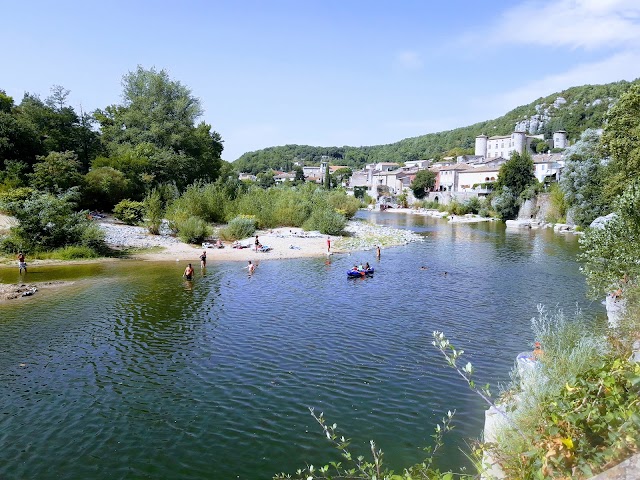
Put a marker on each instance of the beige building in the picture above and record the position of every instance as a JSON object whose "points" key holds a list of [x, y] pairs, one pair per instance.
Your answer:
{"points": [[476, 179]]}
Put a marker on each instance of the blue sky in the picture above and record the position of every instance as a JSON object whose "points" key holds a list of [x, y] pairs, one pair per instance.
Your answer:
{"points": [[329, 73]]}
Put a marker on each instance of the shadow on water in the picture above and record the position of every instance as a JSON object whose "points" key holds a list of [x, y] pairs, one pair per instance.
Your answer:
{"points": [[132, 373]]}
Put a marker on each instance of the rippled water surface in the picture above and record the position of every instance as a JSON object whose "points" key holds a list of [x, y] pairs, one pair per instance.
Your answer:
{"points": [[133, 373]]}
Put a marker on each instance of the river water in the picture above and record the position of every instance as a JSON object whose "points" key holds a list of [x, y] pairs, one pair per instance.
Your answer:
{"points": [[133, 373]]}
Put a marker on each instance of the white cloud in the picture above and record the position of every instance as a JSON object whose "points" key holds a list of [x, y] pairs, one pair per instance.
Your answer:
{"points": [[409, 60], [588, 24], [621, 66]]}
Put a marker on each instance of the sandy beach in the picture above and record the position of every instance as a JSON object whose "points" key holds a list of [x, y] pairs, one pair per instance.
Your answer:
{"points": [[284, 243]]}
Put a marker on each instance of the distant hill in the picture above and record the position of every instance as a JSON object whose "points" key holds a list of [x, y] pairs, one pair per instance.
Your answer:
{"points": [[573, 110]]}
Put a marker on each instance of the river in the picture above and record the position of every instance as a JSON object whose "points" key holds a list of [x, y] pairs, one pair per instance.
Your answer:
{"points": [[132, 373]]}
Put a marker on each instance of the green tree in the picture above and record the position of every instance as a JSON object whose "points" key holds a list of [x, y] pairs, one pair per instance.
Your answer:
{"points": [[265, 179], [422, 182], [611, 251], [516, 173], [621, 142], [160, 112], [57, 172], [104, 187], [327, 178], [299, 174], [342, 175], [582, 179]]}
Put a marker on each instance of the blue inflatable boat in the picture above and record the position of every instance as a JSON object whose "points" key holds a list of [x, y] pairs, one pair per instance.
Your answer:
{"points": [[359, 273]]}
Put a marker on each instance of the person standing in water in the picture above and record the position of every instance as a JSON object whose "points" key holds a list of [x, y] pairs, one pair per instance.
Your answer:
{"points": [[188, 272], [251, 267], [22, 265], [378, 251], [203, 259], [328, 244]]}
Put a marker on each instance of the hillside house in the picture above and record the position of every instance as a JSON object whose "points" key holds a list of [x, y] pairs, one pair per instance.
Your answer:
{"points": [[547, 167]]}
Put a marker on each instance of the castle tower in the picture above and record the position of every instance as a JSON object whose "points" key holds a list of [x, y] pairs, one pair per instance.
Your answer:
{"points": [[560, 139], [481, 146], [519, 141], [323, 170]]}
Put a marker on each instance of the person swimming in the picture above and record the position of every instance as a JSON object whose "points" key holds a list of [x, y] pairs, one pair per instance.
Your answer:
{"points": [[188, 272], [251, 267]]}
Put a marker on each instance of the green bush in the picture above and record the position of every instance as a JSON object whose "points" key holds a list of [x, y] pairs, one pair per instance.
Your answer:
{"points": [[47, 221], [15, 195], [204, 201], [473, 205], [457, 208], [343, 203], [326, 221], [104, 187], [193, 230], [153, 211], [72, 252], [239, 227], [129, 212]]}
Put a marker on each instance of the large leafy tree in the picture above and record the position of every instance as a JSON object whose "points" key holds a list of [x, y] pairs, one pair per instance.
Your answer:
{"points": [[19, 139], [621, 142], [516, 173], [57, 172], [422, 182], [582, 179], [161, 112]]}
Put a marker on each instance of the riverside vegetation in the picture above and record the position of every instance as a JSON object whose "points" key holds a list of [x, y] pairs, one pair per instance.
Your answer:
{"points": [[56, 167]]}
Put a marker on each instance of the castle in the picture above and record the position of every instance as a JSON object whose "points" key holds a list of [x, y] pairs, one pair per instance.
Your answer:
{"points": [[503, 145]]}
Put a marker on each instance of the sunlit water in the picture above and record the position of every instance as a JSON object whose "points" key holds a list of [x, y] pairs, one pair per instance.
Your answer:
{"points": [[133, 373]]}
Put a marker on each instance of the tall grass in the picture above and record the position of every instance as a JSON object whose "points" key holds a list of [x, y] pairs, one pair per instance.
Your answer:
{"points": [[304, 206], [571, 347]]}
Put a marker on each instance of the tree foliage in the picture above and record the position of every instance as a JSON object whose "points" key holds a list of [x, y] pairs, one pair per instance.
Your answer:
{"points": [[612, 251], [153, 133], [423, 181], [582, 179], [621, 141], [57, 172], [47, 221]]}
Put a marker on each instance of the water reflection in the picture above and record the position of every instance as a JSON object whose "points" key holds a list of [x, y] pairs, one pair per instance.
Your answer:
{"points": [[128, 370]]}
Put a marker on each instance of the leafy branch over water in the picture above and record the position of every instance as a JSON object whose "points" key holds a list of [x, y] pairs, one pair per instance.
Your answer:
{"points": [[358, 468]]}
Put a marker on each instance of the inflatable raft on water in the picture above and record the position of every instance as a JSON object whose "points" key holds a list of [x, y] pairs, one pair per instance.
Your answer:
{"points": [[359, 273]]}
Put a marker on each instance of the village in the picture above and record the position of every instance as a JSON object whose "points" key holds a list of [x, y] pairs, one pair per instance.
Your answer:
{"points": [[456, 178]]}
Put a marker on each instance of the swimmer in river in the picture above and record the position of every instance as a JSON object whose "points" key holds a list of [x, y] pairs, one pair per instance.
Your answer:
{"points": [[188, 272]]}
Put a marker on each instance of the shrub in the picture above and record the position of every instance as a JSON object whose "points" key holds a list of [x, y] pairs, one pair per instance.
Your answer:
{"points": [[153, 212], [457, 208], [326, 221], [129, 212], [104, 187], [343, 203], [71, 252], [15, 195], [473, 205], [193, 230], [239, 227], [505, 204], [46, 221]]}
